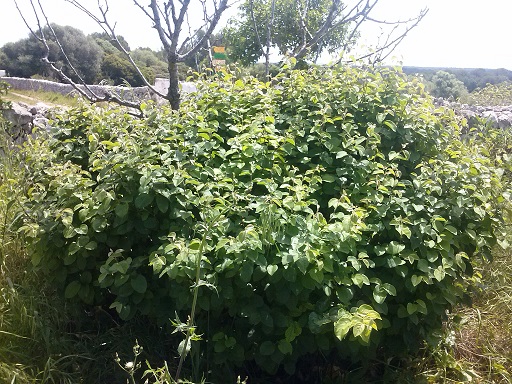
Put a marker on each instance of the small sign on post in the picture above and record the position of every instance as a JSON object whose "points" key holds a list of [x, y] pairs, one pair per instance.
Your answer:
{"points": [[219, 56]]}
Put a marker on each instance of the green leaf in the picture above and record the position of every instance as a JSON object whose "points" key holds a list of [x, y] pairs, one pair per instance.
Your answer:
{"points": [[379, 294], [267, 348], [418, 207], [439, 273], [360, 279], [451, 229], [302, 263], [162, 203], [246, 272], [411, 308], [415, 280], [343, 326], [69, 232], [91, 245], [423, 266], [344, 294], [194, 245], [394, 248], [316, 275], [72, 289], [139, 284], [70, 258], [285, 347], [122, 209], [82, 230], [143, 200], [293, 330], [390, 289], [328, 178], [271, 269], [421, 307]]}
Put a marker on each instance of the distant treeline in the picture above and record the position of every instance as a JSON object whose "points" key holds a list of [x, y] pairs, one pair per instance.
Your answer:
{"points": [[472, 78]]}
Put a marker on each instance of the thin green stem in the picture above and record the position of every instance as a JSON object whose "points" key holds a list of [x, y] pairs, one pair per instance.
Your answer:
{"points": [[190, 322]]}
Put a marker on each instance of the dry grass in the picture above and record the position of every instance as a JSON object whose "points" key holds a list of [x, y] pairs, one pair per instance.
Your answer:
{"points": [[50, 98], [484, 339]]}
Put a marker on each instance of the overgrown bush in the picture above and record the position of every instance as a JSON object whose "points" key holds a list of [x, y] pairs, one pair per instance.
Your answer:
{"points": [[332, 211], [492, 94]]}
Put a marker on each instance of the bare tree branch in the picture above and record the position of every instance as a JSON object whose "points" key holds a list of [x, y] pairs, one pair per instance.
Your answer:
{"points": [[340, 15], [45, 59], [391, 43], [223, 5], [270, 23], [255, 24], [110, 31]]}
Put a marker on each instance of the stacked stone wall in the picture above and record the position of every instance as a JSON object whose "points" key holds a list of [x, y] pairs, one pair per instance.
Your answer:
{"points": [[135, 93]]}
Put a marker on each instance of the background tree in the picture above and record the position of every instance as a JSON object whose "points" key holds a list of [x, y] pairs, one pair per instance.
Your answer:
{"points": [[23, 58], [118, 70], [472, 78], [148, 58], [304, 29], [447, 85]]}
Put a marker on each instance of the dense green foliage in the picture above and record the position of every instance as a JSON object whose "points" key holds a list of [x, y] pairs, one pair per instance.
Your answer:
{"points": [[23, 58], [333, 212], [446, 85]]}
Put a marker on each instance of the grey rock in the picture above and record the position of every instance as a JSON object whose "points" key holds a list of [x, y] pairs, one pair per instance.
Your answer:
{"points": [[18, 115]]}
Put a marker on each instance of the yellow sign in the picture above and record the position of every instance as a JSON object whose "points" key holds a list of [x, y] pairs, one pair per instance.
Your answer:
{"points": [[219, 49]]}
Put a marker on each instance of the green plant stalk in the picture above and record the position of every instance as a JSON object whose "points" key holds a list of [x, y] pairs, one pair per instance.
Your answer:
{"points": [[194, 303]]}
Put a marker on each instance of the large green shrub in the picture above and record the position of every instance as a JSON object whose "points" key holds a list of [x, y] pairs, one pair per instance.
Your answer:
{"points": [[332, 210]]}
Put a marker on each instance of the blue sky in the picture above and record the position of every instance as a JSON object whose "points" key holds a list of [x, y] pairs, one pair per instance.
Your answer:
{"points": [[455, 33]]}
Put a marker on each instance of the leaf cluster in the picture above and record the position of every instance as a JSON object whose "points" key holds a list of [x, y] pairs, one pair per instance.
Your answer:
{"points": [[347, 217], [4, 88]]}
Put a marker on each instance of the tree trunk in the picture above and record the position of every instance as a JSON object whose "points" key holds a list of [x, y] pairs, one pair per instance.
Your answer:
{"points": [[173, 94]]}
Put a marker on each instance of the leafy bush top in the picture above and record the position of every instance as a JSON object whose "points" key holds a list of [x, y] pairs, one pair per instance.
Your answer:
{"points": [[492, 94], [332, 210]]}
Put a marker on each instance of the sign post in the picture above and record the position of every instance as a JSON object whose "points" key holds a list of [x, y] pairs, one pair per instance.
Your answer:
{"points": [[219, 56]]}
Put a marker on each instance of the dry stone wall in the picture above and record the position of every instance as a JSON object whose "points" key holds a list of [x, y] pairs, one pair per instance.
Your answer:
{"points": [[23, 118], [132, 94]]}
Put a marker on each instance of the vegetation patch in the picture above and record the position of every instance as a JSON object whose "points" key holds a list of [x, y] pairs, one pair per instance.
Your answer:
{"points": [[330, 212]]}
